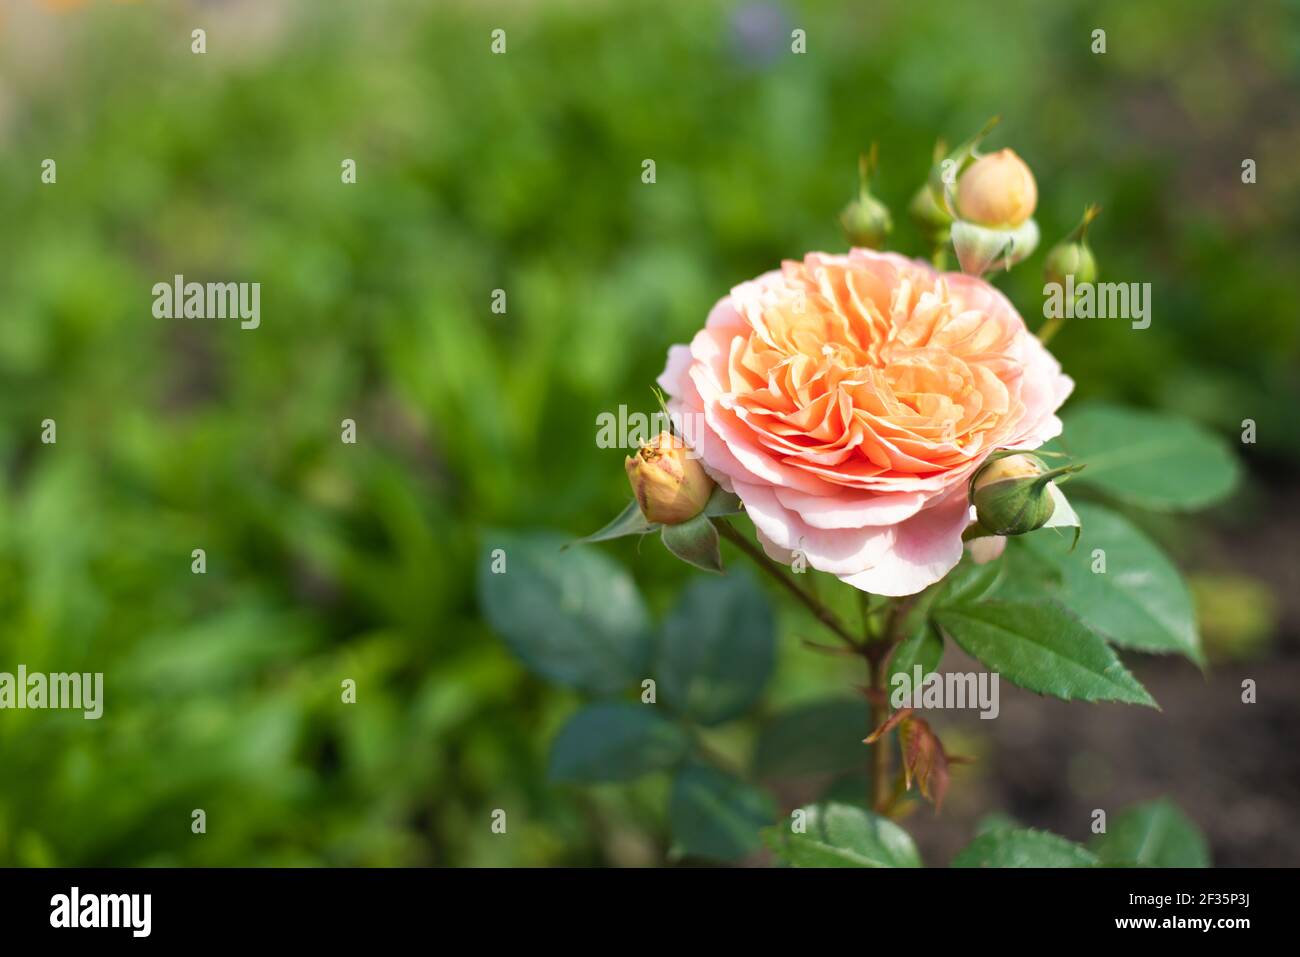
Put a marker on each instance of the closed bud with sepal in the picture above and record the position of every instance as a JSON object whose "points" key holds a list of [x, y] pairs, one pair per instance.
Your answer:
{"points": [[866, 220], [1013, 493], [670, 485]]}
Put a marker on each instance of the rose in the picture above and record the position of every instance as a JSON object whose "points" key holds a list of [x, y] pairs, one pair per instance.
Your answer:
{"points": [[847, 400]]}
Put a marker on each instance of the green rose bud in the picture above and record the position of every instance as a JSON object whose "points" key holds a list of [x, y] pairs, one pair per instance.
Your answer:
{"points": [[866, 220], [931, 219], [1070, 259], [1012, 494], [1072, 256]]}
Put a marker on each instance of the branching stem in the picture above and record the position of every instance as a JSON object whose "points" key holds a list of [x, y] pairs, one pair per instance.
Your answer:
{"points": [[875, 647], [780, 575]]}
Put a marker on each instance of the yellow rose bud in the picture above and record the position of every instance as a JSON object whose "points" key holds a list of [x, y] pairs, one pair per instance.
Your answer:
{"points": [[1018, 466], [669, 485], [997, 190]]}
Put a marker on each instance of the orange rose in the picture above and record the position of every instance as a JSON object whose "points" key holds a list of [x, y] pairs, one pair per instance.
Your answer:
{"points": [[849, 399]]}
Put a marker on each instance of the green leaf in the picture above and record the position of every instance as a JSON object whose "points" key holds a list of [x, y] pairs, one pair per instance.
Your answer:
{"points": [[1154, 834], [722, 502], [1025, 576], [616, 741], [630, 521], [923, 643], [841, 835], [1140, 601], [1043, 648], [1023, 847], [995, 821], [574, 617], [922, 646], [969, 582], [1152, 460], [695, 542], [717, 648], [824, 737], [716, 816]]}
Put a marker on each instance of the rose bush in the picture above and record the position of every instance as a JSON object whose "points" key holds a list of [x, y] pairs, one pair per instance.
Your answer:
{"points": [[847, 400], [871, 414]]}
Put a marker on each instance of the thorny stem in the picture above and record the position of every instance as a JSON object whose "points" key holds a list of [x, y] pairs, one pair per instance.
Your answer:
{"points": [[875, 648], [878, 795], [807, 599], [877, 654]]}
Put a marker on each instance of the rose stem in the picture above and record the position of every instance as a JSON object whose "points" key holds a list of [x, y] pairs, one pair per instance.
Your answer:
{"points": [[879, 793], [876, 651], [809, 601], [1049, 329]]}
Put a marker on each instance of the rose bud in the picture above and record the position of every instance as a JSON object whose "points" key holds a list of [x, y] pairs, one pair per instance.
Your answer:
{"points": [[669, 485], [931, 219], [1013, 495], [866, 220], [1071, 256], [930, 208], [1070, 259], [981, 248], [997, 190]]}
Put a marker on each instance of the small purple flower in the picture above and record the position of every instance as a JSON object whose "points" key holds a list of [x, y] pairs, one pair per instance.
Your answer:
{"points": [[759, 33]]}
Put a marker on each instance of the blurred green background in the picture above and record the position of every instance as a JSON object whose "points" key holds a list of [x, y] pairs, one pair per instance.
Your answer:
{"points": [[522, 172]]}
